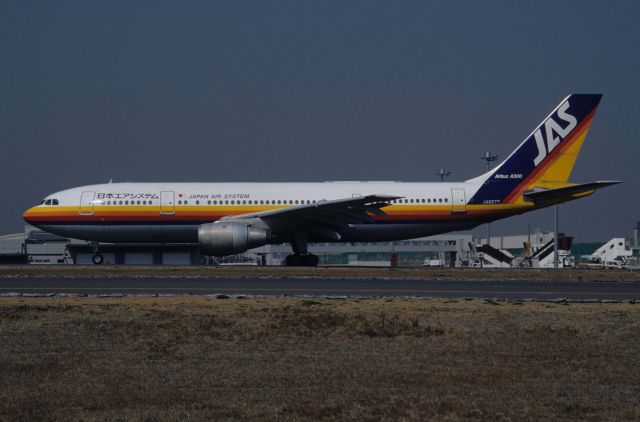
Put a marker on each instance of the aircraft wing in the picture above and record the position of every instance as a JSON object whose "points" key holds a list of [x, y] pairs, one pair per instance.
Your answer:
{"points": [[567, 193], [322, 217]]}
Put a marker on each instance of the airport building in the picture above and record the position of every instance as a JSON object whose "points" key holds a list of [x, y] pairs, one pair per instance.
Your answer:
{"points": [[36, 247], [41, 248], [442, 250]]}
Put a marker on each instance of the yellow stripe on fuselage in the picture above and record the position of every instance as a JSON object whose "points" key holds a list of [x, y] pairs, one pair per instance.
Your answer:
{"points": [[216, 211]]}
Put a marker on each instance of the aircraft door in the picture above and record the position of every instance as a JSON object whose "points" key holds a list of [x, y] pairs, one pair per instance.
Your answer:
{"points": [[458, 201], [86, 203], [167, 203]]}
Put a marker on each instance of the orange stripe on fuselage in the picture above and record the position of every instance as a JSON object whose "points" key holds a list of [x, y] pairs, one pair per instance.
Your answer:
{"points": [[212, 213]]}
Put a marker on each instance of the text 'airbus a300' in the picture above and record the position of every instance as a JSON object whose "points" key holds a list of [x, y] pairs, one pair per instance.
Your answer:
{"points": [[229, 218]]}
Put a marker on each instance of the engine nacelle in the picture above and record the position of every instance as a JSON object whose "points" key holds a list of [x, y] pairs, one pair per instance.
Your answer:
{"points": [[228, 238]]}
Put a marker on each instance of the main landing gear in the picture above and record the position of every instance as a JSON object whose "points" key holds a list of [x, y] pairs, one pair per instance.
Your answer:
{"points": [[302, 260], [301, 257]]}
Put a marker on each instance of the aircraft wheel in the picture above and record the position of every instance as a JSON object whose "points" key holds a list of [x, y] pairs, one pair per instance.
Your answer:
{"points": [[97, 259], [294, 260], [310, 260]]}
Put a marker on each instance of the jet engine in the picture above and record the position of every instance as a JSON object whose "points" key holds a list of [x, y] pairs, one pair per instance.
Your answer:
{"points": [[228, 238]]}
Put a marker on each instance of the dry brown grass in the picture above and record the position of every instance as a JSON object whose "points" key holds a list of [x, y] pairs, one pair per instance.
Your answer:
{"points": [[320, 272], [202, 358]]}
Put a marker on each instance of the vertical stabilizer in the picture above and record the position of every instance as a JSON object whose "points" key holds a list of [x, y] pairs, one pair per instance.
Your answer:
{"points": [[545, 158]]}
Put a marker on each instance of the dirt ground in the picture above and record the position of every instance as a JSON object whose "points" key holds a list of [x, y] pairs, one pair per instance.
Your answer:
{"points": [[319, 272], [220, 358]]}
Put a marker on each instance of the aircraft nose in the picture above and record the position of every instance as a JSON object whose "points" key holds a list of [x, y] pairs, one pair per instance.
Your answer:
{"points": [[27, 216]]}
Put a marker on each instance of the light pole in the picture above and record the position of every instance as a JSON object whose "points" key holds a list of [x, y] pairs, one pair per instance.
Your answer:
{"points": [[443, 173], [489, 157], [555, 237]]}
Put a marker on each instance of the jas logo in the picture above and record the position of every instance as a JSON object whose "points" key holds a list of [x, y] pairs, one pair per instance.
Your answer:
{"points": [[554, 133]]}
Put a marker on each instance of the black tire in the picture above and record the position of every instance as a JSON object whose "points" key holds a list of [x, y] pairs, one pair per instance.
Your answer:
{"points": [[311, 260], [97, 259], [293, 260]]}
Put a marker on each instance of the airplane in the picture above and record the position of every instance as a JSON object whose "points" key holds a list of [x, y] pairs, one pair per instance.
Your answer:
{"points": [[229, 218]]}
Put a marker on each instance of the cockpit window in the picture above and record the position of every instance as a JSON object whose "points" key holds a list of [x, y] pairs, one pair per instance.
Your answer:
{"points": [[54, 202], [48, 202]]}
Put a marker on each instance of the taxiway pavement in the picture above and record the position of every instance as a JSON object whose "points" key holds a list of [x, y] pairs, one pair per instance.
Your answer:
{"points": [[450, 289]]}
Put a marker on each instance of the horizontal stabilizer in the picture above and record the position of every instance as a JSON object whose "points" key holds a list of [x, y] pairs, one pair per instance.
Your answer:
{"points": [[567, 193]]}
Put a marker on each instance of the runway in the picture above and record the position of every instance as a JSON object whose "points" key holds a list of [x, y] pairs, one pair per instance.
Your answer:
{"points": [[449, 289]]}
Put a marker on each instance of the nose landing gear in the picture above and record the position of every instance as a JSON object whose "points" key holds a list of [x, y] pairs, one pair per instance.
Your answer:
{"points": [[97, 259]]}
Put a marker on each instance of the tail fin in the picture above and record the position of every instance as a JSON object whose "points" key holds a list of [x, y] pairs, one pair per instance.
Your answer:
{"points": [[545, 158]]}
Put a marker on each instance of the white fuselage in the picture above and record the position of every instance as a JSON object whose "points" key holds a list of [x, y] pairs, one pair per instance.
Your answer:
{"points": [[172, 212]]}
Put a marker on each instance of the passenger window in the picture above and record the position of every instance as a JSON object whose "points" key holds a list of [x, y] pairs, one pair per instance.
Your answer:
{"points": [[120, 202], [446, 199], [233, 202], [197, 202], [54, 202], [440, 200]]}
